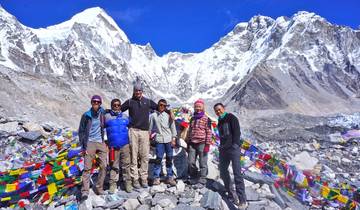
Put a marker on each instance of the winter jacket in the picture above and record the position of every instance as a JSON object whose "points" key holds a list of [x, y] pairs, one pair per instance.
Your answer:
{"points": [[200, 130], [116, 125], [85, 125], [165, 129], [139, 112], [229, 131]]}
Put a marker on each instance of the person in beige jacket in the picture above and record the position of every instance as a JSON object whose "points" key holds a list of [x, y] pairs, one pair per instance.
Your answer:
{"points": [[163, 125]]}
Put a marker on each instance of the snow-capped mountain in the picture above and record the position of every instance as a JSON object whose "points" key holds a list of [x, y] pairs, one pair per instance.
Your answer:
{"points": [[298, 64]]}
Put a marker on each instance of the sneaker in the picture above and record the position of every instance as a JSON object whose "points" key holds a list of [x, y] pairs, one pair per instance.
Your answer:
{"points": [[128, 187], [136, 184], [83, 198], [242, 206], [171, 181], [156, 181], [113, 188], [144, 184]]}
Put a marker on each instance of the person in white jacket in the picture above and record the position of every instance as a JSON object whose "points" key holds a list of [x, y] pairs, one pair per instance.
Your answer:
{"points": [[163, 125]]}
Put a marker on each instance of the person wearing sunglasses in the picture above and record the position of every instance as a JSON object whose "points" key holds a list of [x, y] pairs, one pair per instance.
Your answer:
{"points": [[91, 137], [163, 125], [139, 108], [116, 124]]}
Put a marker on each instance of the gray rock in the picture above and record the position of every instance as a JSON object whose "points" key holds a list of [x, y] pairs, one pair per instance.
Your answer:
{"points": [[158, 188], [278, 198], [187, 207], [304, 161], [157, 207], [172, 190], [161, 196], [10, 127], [30, 136], [186, 200], [86, 205], [97, 201], [144, 197], [143, 207], [188, 194], [211, 200], [202, 191], [251, 194], [166, 203], [180, 186], [115, 203], [130, 204], [257, 178]]}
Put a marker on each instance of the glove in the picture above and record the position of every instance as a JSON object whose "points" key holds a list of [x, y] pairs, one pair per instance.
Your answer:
{"points": [[206, 148]]}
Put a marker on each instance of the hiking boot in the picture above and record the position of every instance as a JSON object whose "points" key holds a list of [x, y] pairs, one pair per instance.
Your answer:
{"points": [[100, 192], [113, 188], [171, 181], [202, 181], [233, 197], [242, 206], [128, 187], [136, 184], [144, 184], [156, 181]]}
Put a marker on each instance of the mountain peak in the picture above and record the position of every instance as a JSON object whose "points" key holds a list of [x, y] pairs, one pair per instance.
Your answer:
{"points": [[95, 17]]}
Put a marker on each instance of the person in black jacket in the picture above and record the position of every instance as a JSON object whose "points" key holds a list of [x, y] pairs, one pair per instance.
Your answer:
{"points": [[229, 151], [139, 108], [91, 136]]}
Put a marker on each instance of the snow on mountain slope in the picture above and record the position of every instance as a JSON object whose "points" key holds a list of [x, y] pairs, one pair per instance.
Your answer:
{"points": [[294, 63]]}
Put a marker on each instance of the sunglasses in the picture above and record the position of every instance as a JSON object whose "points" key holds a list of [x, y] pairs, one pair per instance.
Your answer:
{"points": [[116, 105], [95, 102]]}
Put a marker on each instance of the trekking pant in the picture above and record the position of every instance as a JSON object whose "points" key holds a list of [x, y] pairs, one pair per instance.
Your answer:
{"points": [[161, 149], [232, 155], [197, 150], [140, 148], [92, 149], [121, 157]]}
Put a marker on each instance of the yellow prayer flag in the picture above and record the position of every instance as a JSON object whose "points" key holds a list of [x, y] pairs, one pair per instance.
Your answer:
{"points": [[5, 199], [10, 187], [14, 172], [52, 189], [325, 191], [59, 175], [342, 199]]}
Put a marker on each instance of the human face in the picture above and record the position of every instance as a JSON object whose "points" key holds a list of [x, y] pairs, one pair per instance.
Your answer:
{"points": [[162, 106], [138, 94], [198, 107], [95, 105], [219, 110], [116, 107]]}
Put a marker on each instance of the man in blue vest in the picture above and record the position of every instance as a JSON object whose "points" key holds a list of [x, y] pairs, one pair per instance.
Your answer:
{"points": [[116, 124]]}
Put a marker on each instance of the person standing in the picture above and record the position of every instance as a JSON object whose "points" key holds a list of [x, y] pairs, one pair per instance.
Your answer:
{"points": [[199, 140], [139, 108], [116, 124], [91, 137], [229, 151], [163, 125]]}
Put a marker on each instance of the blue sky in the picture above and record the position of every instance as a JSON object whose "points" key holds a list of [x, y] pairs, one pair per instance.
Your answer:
{"points": [[180, 25]]}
